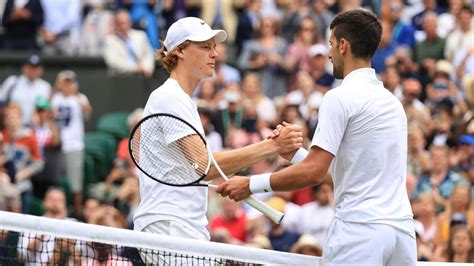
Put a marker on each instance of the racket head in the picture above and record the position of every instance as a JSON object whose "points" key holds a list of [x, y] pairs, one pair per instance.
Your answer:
{"points": [[169, 150]]}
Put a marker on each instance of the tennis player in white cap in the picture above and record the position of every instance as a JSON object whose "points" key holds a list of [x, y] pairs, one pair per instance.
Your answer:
{"points": [[189, 55]]}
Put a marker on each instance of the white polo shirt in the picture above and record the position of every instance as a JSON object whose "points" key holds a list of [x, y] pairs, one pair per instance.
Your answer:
{"points": [[365, 127], [186, 205]]}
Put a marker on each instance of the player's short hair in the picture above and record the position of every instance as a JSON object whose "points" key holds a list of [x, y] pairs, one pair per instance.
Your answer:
{"points": [[361, 28], [170, 59]]}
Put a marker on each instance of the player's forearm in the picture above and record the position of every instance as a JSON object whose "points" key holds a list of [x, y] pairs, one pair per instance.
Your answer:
{"points": [[294, 177], [237, 160]]}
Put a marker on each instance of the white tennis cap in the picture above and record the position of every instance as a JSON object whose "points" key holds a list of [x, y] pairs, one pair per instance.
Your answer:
{"points": [[192, 29]]}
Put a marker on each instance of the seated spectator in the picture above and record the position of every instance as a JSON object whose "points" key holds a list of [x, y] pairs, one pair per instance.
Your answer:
{"points": [[280, 238], [318, 54], [213, 138], [391, 81], [47, 249], [416, 111], [459, 247], [122, 150], [26, 88], [306, 245], [462, 38], [424, 209], [458, 210], [440, 181], [386, 48], [21, 148], [418, 157], [402, 33], [233, 219], [128, 50], [224, 72], [252, 90], [316, 217], [21, 21], [10, 199]]}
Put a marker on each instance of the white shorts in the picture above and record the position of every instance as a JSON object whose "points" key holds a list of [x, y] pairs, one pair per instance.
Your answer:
{"points": [[368, 244], [170, 228]]}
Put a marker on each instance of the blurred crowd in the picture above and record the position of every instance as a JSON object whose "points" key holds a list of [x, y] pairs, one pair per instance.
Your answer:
{"points": [[273, 68]]}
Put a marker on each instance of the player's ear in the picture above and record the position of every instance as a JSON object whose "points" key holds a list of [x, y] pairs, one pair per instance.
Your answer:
{"points": [[344, 46], [179, 53]]}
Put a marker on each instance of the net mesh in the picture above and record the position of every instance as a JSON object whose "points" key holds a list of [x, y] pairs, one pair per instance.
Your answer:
{"points": [[31, 240], [169, 150]]}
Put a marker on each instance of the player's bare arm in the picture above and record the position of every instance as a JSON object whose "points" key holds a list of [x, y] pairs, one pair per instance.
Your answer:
{"points": [[290, 138], [309, 172]]}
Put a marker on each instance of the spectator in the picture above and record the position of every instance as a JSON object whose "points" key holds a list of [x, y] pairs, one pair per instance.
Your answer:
{"points": [[128, 50], [458, 210], [297, 55], [122, 151], [447, 21], [230, 115], [316, 217], [213, 139], [91, 205], [252, 90], [47, 249], [464, 63], [21, 21], [440, 180], [321, 15], [305, 95], [72, 108], [60, 33], [248, 23], [425, 222], [431, 49], [142, 14], [430, 6], [418, 158], [98, 24], [10, 199], [49, 141], [265, 55], [224, 72], [208, 96], [294, 13], [306, 245], [221, 15], [417, 112], [280, 238], [233, 218], [462, 38], [386, 48], [25, 89], [391, 80], [460, 245], [22, 149], [403, 34], [318, 54]]}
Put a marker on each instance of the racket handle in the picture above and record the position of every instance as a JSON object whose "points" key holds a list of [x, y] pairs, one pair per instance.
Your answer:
{"points": [[271, 213]]}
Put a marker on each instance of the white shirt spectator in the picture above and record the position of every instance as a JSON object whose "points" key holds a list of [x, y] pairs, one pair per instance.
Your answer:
{"points": [[315, 220]]}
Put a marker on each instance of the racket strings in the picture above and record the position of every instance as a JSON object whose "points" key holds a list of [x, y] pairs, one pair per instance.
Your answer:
{"points": [[169, 150]]}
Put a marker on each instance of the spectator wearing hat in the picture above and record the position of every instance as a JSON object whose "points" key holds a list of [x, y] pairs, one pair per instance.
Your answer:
{"points": [[25, 89], [306, 245], [128, 50], [72, 108], [318, 54], [465, 153], [280, 238], [21, 21], [49, 141]]}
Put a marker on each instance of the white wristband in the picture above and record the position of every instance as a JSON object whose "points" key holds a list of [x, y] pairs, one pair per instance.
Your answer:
{"points": [[260, 183], [299, 156]]}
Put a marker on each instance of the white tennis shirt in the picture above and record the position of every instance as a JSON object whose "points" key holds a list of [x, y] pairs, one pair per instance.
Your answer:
{"points": [[365, 127], [186, 205]]}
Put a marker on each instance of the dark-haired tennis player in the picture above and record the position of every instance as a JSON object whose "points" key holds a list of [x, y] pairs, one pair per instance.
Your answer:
{"points": [[189, 54], [361, 137]]}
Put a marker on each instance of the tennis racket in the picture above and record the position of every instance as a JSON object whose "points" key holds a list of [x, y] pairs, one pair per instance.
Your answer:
{"points": [[171, 151]]}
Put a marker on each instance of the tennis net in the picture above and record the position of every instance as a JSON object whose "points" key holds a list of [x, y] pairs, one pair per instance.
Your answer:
{"points": [[32, 240]]}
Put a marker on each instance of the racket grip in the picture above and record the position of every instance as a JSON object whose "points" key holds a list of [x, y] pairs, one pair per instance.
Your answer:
{"points": [[271, 213]]}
